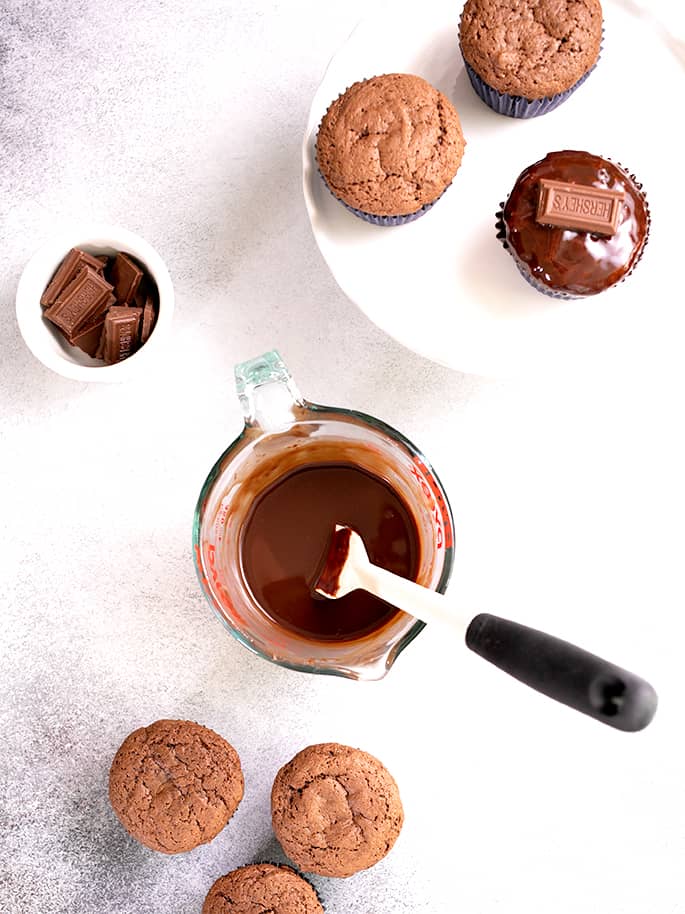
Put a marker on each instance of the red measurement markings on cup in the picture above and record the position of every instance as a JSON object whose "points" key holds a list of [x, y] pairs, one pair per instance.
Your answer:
{"points": [[216, 586], [220, 521], [436, 504], [200, 569]]}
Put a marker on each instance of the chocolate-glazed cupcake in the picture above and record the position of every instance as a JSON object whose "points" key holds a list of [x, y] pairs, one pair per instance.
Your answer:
{"points": [[388, 147], [526, 57], [575, 224]]}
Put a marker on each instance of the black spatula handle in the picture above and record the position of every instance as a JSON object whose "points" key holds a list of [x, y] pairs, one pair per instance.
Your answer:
{"points": [[564, 672]]}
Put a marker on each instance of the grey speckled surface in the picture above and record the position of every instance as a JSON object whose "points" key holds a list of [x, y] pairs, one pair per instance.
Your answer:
{"points": [[183, 122]]}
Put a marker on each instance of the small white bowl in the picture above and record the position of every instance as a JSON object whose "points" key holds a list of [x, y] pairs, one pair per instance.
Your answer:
{"points": [[47, 343]]}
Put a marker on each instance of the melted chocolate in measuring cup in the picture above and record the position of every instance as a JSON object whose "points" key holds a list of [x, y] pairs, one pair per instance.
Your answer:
{"points": [[286, 534]]}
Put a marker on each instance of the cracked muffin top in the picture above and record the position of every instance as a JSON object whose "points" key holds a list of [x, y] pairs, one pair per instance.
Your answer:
{"points": [[532, 48], [174, 785], [335, 810], [390, 145], [262, 887]]}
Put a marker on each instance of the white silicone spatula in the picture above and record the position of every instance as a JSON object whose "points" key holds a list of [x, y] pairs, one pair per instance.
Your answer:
{"points": [[554, 667]]}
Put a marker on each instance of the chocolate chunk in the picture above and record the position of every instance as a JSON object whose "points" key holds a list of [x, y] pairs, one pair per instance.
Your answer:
{"points": [[579, 207], [148, 320], [103, 260], [88, 338], [120, 334], [65, 273], [125, 276], [84, 297], [89, 335]]}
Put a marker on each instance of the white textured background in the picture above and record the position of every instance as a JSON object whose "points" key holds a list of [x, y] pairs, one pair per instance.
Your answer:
{"points": [[183, 122]]}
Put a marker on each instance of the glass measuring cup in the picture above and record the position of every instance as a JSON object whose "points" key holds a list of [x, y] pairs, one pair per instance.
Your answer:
{"points": [[282, 433]]}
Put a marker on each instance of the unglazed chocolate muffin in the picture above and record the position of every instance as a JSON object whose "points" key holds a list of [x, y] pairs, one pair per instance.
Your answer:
{"points": [[575, 224], [389, 147], [174, 785], [525, 57], [262, 888], [335, 810]]}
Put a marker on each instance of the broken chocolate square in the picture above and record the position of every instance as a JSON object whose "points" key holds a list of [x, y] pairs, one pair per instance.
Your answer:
{"points": [[126, 276], [88, 337], [148, 320]]}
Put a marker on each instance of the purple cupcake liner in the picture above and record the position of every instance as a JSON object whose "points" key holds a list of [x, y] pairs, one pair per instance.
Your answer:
{"points": [[517, 105], [383, 220], [386, 220], [541, 287]]}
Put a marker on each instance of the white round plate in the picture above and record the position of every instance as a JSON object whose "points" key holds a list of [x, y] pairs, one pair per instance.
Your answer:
{"points": [[443, 285]]}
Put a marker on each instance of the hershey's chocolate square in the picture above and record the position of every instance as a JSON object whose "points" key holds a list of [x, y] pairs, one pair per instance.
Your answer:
{"points": [[75, 260], [120, 334], [85, 296]]}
